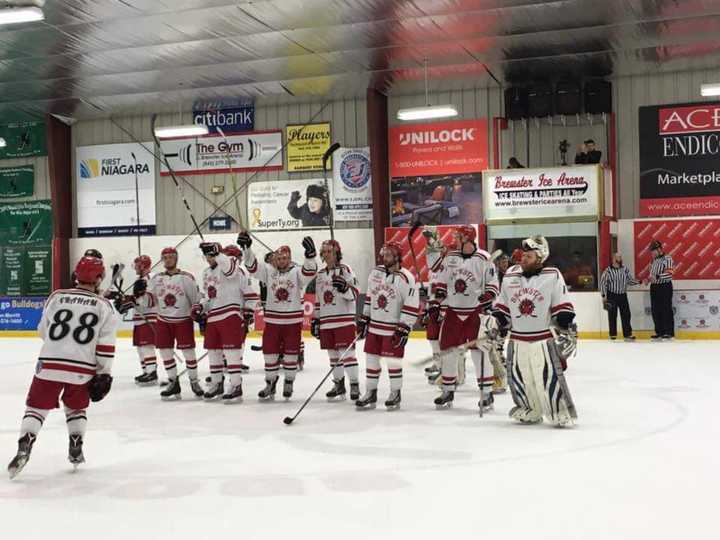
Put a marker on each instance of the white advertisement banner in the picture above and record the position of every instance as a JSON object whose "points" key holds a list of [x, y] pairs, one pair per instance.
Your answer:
{"points": [[106, 202], [256, 151], [352, 184], [558, 193], [695, 310], [288, 204]]}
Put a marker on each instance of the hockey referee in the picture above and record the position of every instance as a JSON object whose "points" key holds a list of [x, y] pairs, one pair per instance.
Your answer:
{"points": [[613, 288], [661, 292]]}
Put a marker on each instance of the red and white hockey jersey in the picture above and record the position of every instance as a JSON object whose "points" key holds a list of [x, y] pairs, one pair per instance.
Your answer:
{"points": [[174, 295], [391, 298], [284, 302], [467, 281], [145, 312], [333, 308], [78, 332], [531, 303], [227, 290]]}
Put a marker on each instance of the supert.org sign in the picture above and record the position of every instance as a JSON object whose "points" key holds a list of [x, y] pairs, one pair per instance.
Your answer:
{"points": [[233, 120]]}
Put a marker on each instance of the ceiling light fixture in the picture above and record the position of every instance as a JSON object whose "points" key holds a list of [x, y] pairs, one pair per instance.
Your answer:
{"points": [[21, 12], [189, 130], [428, 112], [708, 90]]}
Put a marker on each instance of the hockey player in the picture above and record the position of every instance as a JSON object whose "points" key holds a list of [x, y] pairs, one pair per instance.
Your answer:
{"points": [[176, 293], [434, 251], [467, 286], [78, 332], [390, 310], [227, 305], [533, 297], [336, 294], [285, 282]]}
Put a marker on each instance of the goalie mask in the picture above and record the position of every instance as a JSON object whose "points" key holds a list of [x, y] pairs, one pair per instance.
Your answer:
{"points": [[539, 245]]}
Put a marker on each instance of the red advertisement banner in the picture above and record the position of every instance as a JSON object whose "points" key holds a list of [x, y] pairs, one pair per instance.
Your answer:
{"points": [[455, 147], [694, 245], [689, 119]]}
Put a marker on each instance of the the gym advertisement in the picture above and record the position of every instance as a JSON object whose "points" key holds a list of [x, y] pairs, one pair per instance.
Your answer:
{"points": [[679, 167], [106, 201], [306, 145], [352, 178], [290, 204], [213, 153], [569, 193]]}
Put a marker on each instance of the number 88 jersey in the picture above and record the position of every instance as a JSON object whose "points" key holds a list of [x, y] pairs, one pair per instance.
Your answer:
{"points": [[78, 332]]}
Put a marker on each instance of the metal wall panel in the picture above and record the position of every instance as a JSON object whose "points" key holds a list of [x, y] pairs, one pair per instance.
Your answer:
{"points": [[348, 124]]}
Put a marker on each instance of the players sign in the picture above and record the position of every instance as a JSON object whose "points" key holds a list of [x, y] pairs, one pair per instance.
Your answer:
{"points": [[352, 180], [256, 151]]}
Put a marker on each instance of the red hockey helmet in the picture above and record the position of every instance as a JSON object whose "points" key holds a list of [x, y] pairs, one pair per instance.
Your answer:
{"points": [[284, 250], [89, 269], [334, 244], [467, 231], [168, 251], [231, 250], [393, 247], [142, 264]]}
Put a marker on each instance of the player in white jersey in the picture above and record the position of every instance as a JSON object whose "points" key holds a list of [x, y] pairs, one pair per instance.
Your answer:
{"points": [[533, 299], [175, 292], [336, 294], [78, 332], [227, 306], [285, 282], [143, 322], [467, 286], [434, 251], [390, 310]]}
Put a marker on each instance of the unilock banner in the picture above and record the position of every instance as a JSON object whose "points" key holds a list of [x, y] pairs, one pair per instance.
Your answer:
{"points": [[21, 313], [570, 193], [106, 201], [680, 159]]}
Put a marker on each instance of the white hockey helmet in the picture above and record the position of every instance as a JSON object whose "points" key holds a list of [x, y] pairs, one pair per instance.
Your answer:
{"points": [[539, 244]]}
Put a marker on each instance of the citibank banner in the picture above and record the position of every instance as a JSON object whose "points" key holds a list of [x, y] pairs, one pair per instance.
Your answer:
{"points": [[442, 148], [106, 200], [558, 193], [679, 159]]}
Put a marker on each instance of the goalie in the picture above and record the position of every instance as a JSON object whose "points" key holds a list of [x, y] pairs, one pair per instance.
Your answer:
{"points": [[532, 298]]}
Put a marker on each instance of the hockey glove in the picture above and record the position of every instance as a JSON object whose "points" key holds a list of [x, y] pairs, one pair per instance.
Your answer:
{"points": [[362, 327], [210, 249], [340, 283], [244, 240], [485, 302], [315, 328], [99, 386], [440, 293], [566, 341], [139, 287], [400, 337], [488, 333], [196, 313], [433, 311], [309, 246], [124, 304]]}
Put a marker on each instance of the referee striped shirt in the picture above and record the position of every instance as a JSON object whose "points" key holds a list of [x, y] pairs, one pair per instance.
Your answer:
{"points": [[661, 269], [616, 280]]}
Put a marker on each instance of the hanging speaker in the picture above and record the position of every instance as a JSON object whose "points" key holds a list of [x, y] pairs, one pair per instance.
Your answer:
{"points": [[516, 103], [540, 100], [567, 98], [598, 97]]}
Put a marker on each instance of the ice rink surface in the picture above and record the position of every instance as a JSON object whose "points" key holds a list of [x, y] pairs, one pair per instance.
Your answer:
{"points": [[642, 462]]}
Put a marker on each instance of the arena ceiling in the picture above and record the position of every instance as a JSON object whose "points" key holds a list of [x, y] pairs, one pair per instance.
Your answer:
{"points": [[94, 57]]}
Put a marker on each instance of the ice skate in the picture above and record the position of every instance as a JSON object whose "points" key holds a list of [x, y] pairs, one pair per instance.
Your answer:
{"points": [[354, 391], [630, 339], [148, 379], [562, 420], [434, 378], [172, 391], [393, 401], [445, 400], [338, 391], [268, 393], [486, 404], [139, 377], [287, 389], [499, 385], [197, 389], [433, 368], [25, 445], [525, 416], [368, 401], [75, 451], [233, 396], [214, 391]]}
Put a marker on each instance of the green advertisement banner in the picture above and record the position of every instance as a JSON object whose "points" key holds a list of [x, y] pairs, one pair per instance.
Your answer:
{"points": [[23, 139], [26, 271], [17, 182], [26, 224]]}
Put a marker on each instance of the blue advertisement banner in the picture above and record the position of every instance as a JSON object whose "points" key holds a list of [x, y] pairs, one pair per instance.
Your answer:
{"points": [[233, 120], [21, 312]]}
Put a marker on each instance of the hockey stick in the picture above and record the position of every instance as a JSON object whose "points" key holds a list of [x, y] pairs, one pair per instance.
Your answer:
{"points": [[325, 158], [233, 177], [290, 419], [137, 203], [482, 383]]}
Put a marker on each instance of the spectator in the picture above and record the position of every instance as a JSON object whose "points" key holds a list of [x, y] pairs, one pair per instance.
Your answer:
{"points": [[501, 265], [579, 274], [587, 154], [661, 292], [613, 288], [513, 163]]}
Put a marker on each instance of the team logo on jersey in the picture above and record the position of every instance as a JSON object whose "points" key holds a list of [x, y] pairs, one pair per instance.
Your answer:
{"points": [[382, 302], [170, 300], [211, 292], [527, 308], [460, 286], [282, 295], [328, 297]]}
